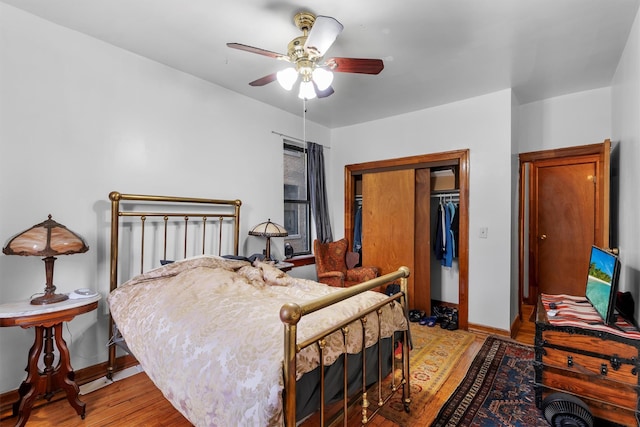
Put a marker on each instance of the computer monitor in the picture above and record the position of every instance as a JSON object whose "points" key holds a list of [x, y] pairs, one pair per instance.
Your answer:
{"points": [[602, 283]]}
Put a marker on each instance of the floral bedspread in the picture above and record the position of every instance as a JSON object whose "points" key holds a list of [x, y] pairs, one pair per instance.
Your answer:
{"points": [[207, 332]]}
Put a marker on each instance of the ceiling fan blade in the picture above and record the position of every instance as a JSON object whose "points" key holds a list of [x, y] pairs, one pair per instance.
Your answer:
{"points": [[258, 51], [264, 80], [324, 32], [355, 65], [323, 93]]}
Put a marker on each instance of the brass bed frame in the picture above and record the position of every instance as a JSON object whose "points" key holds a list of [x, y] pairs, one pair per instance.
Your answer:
{"points": [[292, 313], [182, 216]]}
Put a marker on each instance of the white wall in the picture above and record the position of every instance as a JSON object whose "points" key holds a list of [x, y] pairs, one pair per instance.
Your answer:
{"points": [[626, 133], [514, 191], [80, 118], [482, 125], [495, 129], [565, 121]]}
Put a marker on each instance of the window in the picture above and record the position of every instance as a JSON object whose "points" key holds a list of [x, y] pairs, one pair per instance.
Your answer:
{"points": [[296, 199]]}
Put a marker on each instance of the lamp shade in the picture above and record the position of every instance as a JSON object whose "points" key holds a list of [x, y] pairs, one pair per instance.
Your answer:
{"points": [[47, 240], [322, 78], [287, 77], [268, 229], [306, 91]]}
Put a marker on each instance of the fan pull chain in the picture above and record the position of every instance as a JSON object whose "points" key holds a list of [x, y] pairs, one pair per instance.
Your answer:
{"points": [[304, 121], [304, 138]]}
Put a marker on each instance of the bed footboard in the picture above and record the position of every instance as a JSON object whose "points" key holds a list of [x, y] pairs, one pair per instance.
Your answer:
{"points": [[291, 314]]}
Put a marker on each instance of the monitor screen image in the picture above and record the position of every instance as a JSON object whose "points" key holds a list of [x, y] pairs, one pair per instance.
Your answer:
{"points": [[602, 283]]}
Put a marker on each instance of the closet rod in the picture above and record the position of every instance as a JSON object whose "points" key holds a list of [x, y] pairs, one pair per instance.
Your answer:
{"points": [[457, 194]]}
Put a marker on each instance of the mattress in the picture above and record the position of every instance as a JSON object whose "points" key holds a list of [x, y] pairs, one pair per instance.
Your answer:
{"points": [[207, 332]]}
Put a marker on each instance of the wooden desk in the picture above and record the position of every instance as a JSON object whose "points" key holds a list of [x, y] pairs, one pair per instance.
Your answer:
{"points": [[47, 322]]}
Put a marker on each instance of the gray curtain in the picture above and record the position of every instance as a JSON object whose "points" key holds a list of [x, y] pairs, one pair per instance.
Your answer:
{"points": [[318, 192]]}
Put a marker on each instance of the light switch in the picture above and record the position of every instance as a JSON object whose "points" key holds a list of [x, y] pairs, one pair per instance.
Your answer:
{"points": [[484, 231]]}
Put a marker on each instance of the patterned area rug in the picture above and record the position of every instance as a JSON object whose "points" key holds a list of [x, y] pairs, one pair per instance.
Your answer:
{"points": [[497, 390], [435, 353]]}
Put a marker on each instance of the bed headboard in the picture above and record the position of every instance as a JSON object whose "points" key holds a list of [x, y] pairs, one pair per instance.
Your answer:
{"points": [[171, 224], [145, 230]]}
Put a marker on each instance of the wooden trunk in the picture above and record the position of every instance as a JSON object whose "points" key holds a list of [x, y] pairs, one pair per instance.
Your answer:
{"points": [[599, 368]]}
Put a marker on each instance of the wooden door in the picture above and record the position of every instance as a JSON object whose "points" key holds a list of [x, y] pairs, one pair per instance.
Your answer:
{"points": [[422, 248], [568, 212], [388, 200], [565, 224]]}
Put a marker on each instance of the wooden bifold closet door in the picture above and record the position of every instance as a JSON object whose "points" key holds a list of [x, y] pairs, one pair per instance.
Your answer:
{"points": [[388, 220], [396, 214]]}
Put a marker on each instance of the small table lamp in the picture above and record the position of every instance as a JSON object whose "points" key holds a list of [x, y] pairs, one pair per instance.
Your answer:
{"points": [[46, 239], [268, 229]]}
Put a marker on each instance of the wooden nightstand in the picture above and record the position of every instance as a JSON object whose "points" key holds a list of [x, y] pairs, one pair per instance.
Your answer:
{"points": [[284, 266], [47, 322], [297, 261]]}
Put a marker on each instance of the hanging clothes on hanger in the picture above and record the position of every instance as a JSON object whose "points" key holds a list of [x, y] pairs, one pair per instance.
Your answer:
{"points": [[357, 230], [438, 241], [447, 259], [445, 242], [454, 228]]}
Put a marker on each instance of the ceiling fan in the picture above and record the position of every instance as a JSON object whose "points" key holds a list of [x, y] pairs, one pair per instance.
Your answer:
{"points": [[306, 54]]}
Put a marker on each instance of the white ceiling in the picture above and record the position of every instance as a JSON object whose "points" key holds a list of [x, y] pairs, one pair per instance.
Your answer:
{"points": [[435, 51]]}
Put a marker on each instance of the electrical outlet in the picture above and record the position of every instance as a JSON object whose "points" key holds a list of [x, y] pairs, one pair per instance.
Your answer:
{"points": [[484, 231]]}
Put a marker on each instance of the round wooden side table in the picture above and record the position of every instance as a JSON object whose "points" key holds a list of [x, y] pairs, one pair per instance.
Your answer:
{"points": [[47, 322]]}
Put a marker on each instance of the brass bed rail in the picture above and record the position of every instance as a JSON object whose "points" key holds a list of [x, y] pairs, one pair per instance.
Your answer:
{"points": [[291, 314], [141, 206]]}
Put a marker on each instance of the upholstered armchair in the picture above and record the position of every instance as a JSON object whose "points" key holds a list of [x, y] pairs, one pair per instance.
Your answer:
{"points": [[335, 265]]}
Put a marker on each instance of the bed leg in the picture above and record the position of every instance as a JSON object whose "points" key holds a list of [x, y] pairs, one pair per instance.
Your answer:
{"points": [[365, 406], [406, 386]]}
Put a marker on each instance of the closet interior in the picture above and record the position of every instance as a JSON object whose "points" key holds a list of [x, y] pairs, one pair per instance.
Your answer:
{"points": [[445, 206], [413, 212]]}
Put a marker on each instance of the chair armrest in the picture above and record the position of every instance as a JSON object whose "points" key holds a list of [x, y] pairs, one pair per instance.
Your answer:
{"points": [[362, 274], [332, 278]]}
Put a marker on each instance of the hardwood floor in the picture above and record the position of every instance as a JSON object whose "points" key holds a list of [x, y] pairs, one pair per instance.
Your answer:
{"points": [[135, 401]]}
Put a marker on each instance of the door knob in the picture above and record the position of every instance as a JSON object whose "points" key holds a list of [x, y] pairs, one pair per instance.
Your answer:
{"points": [[543, 236]]}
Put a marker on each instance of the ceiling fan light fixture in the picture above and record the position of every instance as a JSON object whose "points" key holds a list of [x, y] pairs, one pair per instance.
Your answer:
{"points": [[306, 53], [307, 91], [287, 78], [323, 78]]}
